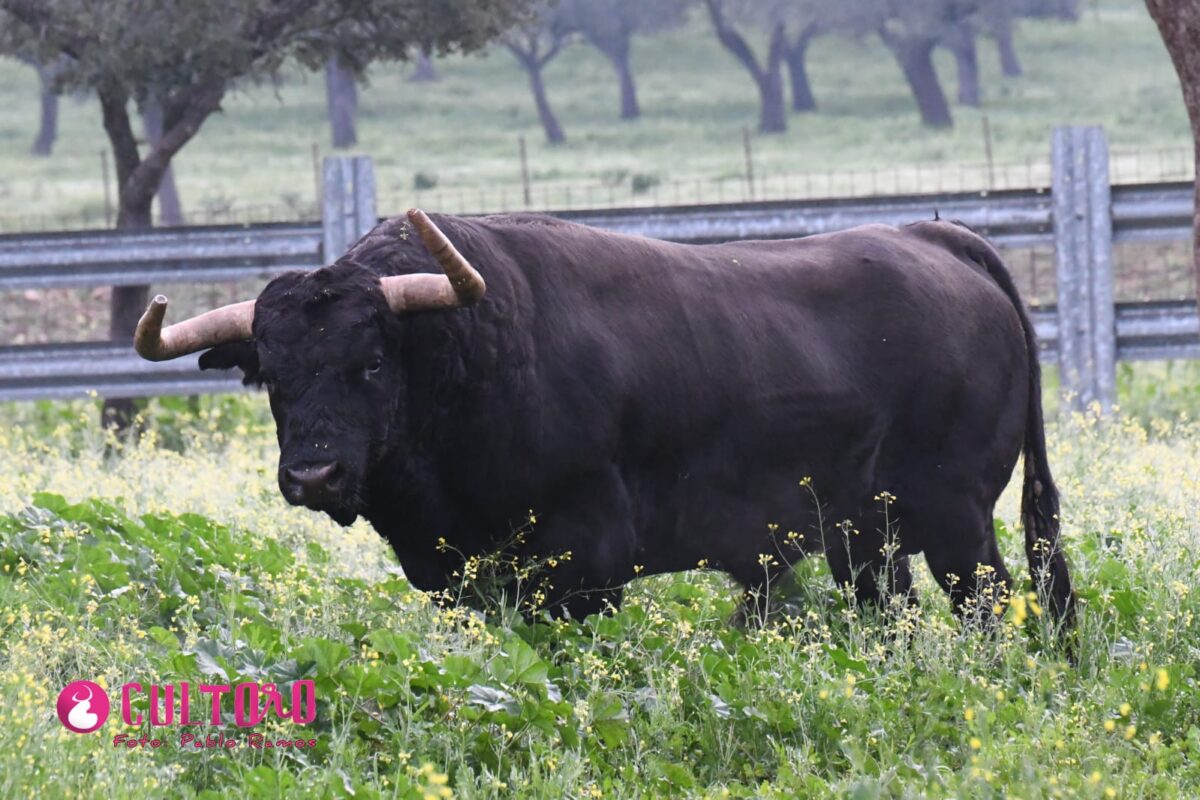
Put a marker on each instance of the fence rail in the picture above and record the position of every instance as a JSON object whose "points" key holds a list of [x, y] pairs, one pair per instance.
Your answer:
{"points": [[1012, 218], [162, 255], [1082, 216], [622, 189], [1145, 331]]}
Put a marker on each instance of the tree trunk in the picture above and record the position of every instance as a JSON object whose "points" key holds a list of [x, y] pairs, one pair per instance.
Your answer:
{"points": [[773, 118], [423, 70], [125, 307], [127, 303], [138, 180], [43, 143], [170, 212], [617, 52], [768, 77], [554, 131], [966, 64], [533, 55], [797, 63], [1179, 24], [341, 101], [1010, 65], [916, 61]]}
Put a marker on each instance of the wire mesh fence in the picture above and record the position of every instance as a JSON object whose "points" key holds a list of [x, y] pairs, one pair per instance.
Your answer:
{"points": [[646, 191], [1158, 270], [632, 190]]}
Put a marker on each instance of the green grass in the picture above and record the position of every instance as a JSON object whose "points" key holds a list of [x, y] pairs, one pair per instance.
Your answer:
{"points": [[176, 560], [1110, 68]]}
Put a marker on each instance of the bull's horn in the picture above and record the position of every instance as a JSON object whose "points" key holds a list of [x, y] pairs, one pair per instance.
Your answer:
{"points": [[229, 323], [460, 286]]}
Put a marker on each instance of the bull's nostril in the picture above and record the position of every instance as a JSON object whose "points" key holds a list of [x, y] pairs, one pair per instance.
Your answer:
{"points": [[313, 483]]}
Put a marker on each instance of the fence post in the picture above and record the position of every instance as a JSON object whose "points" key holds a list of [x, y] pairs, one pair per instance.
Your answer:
{"points": [[347, 203], [1087, 336]]}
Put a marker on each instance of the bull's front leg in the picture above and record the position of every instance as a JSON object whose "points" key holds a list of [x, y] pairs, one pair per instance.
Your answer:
{"points": [[584, 546]]}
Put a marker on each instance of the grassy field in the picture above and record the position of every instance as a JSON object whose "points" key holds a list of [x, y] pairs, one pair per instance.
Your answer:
{"points": [[256, 158], [176, 560]]}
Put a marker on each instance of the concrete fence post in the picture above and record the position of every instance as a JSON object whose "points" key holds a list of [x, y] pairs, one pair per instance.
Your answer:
{"points": [[1087, 336], [347, 203]]}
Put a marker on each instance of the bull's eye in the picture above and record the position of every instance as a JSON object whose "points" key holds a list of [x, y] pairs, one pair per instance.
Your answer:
{"points": [[374, 365]]}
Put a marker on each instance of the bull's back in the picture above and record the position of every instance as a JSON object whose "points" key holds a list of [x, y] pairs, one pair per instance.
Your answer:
{"points": [[680, 338], [761, 354]]}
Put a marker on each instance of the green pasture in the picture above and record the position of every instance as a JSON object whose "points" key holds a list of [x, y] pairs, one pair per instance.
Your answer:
{"points": [[175, 559]]}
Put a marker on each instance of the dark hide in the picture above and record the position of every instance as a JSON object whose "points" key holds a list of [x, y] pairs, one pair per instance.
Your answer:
{"points": [[657, 404]]}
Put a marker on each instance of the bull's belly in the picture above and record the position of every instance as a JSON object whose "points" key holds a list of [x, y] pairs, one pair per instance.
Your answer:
{"points": [[734, 501]]}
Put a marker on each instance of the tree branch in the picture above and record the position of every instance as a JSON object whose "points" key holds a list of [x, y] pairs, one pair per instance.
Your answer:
{"points": [[528, 50], [555, 46], [186, 109], [34, 14], [733, 41], [526, 55], [189, 111], [777, 48], [114, 106], [268, 27], [805, 36]]}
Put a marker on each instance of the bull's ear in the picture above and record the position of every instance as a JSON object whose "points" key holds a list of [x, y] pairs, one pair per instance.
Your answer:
{"points": [[243, 355]]}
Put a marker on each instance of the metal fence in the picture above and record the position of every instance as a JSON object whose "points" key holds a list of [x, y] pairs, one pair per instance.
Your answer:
{"points": [[622, 188], [1081, 217]]}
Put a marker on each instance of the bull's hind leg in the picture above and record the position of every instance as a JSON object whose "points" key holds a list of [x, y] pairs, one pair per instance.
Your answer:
{"points": [[966, 563], [583, 604], [863, 552], [879, 575], [758, 583]]}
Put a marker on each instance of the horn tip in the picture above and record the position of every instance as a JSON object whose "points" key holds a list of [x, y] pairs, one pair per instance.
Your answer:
{"points": [[414, 213], [159, 300]]}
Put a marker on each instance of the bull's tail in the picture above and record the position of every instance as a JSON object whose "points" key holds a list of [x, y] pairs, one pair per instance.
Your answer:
{"points": [[1039, 496]]}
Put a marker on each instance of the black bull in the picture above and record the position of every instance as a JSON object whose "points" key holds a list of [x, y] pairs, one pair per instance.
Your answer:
{"points": [[658, 405]]}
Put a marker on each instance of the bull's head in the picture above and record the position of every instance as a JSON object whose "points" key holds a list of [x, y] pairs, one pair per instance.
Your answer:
{"points": [[325, 347]]}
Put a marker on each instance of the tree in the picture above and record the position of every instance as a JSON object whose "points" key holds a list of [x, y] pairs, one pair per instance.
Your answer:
{"points": [[341, 102], [767, 73], [423, 69], [796, 55], [170, 212], [47, 72], [534, 44], [791, 26], [804, 21], [186, 53], [610, 25], [912, 29], [1179, 23], [960, 40], [998, 24]]}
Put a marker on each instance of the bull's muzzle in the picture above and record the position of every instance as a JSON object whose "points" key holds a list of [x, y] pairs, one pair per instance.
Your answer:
{"points": [[313, 485]]}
